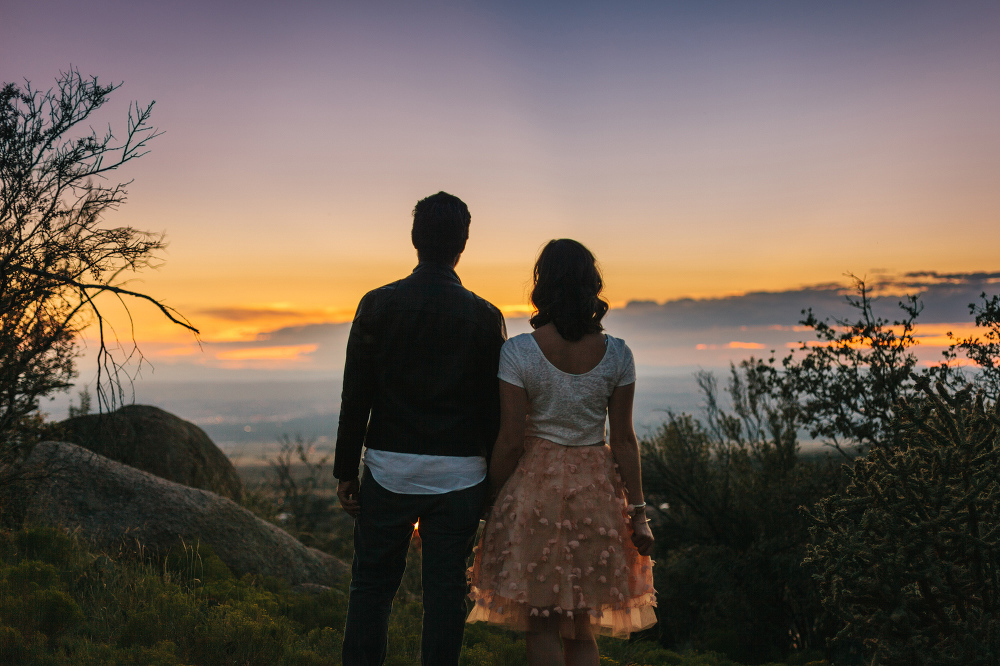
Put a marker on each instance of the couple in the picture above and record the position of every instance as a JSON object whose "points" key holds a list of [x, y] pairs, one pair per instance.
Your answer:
{"points": [[565, 551]]}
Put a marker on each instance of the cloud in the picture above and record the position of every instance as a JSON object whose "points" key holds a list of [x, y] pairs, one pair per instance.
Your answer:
{"points": [[762, 308], [735, 344], [715, 331], [977, 277], [306, 333], [316, 349], [282, 353], [320, 346], [945, 297], [680, 334], [240, 314]]}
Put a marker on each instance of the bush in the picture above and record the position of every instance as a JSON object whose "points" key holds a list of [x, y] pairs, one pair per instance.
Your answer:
{"points": [[48, 545], [32, 600], [185, 608], [189, 609], [13, 649], [909, 552], [299, 495], [731, 537]]}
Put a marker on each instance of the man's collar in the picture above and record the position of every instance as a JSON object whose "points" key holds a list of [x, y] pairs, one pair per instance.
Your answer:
{"points": [[439, 269]]}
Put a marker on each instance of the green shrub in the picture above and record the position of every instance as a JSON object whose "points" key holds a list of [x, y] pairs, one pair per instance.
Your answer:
{"points": [[13, 648], [909, 553], [54, 611], [31, 600], [318, 612], [45, 544], [163, 653], [195, 564], [326, 640], [241, 634], [726, 495], [28, 576], [186, 608], [484, 645], [189, 609], [646, 653]]}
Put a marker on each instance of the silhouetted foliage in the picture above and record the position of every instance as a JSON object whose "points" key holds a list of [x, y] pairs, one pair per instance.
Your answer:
{"points": [[984, 352], [297, 479], [56, 256], [732, 533], [731, 537], [83, 409], [849, 378], [909, 552]]}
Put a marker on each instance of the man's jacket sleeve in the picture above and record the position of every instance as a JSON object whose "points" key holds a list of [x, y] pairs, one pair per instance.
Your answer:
{"points": [[356, 398], [497, 336]]}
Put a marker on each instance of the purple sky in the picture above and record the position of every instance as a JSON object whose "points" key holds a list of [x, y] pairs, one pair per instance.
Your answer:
{"points": [[699, 148]]}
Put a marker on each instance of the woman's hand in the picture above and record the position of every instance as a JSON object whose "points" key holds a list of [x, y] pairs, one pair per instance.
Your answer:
{"points": [[625, 449], [642, 536]]}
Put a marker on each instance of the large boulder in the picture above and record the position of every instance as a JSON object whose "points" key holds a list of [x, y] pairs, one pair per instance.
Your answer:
{"points": [[114, 505], [157, 442]]}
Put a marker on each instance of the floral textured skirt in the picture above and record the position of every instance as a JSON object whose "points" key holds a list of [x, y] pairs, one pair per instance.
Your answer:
{"points": [[558, 544]]}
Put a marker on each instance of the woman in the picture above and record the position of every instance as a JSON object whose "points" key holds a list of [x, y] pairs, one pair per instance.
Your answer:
{"points": [[565, 551]]}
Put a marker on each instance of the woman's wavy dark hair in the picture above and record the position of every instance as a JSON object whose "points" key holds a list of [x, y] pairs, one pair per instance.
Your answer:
{"points": [[567, 290]]}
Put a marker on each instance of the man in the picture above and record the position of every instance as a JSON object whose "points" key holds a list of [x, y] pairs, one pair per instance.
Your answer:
{"points": [[421, 394]]}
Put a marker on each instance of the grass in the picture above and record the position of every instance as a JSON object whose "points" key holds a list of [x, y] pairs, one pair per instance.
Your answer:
{"points": [[61, 603]]}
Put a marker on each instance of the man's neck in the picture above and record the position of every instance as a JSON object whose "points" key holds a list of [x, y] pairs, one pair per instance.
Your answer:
{"points": [[448, 264], [436, 268]]}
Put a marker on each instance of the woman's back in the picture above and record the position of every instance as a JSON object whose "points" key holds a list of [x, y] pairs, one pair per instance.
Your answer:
{"points": [[572, 357], [564, 554], [566, 407]]}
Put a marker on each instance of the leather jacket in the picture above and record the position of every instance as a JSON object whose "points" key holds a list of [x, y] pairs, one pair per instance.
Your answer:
{"points": [[421, 371]]}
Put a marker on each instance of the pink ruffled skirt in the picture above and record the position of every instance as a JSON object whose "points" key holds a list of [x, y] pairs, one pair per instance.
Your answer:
{"points": [[558, 544]]}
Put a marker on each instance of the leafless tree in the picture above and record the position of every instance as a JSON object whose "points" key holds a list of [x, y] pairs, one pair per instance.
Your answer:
{"points": [[57, 255]]}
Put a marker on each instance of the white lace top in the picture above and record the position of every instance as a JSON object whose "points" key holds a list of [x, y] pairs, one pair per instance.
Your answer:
{"points": [[564, 408]]}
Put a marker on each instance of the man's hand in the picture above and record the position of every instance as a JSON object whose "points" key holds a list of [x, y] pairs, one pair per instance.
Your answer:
{"points": [[347, 493]]}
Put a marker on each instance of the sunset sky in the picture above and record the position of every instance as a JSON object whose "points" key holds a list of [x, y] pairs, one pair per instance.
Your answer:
{"points": [[700, 149]]}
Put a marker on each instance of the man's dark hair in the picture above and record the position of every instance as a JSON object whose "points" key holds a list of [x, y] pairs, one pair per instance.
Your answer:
{"points": [[440, 227], [567, 290]]}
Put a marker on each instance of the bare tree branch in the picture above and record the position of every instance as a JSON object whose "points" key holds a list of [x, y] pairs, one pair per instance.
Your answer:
{"points": [[56, 254], [169, 312]]}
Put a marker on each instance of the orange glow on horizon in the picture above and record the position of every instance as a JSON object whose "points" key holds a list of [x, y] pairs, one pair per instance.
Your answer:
{"points": [[284, 353], [953, 363], [735, 344], [178, 351], [924, 335]]}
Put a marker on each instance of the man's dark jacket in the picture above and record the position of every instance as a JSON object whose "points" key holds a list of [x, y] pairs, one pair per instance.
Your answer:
{"points": [[421, 371]]}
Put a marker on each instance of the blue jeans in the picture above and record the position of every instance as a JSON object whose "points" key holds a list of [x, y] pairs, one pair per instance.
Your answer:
{"points": [[448, 524]]}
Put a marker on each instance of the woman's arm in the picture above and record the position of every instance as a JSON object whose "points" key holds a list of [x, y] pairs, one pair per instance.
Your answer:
{"points": [[510, 442], [625, 449]]}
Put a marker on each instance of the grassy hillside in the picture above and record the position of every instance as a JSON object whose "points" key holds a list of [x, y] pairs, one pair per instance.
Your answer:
{"points": [[61, 603]]}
